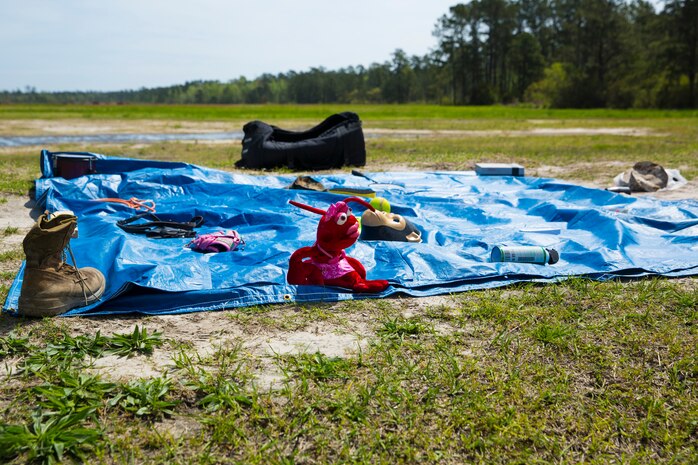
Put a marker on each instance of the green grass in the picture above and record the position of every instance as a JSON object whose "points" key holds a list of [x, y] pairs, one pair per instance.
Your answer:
{"points": [[17, 172], [314, 112], [63, 349], [11, 255], [577, 372], [137, 342], [49, 438], [399, 328], [674, 143], [13, 345], [318, 367], [146, 398]]}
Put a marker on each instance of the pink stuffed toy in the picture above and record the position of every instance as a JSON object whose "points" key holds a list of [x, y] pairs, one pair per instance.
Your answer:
{"points": [[325, 262]]}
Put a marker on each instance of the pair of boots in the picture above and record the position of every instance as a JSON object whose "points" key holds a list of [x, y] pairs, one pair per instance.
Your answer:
{"points": [[51, 286]]}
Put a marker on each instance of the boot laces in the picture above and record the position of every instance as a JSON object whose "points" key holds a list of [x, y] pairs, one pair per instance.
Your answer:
{"points": [[81, 279]]}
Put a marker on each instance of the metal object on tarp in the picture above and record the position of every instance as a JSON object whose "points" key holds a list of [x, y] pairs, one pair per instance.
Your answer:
{"points": [[70, 166], [499, 169], [525, 254]]}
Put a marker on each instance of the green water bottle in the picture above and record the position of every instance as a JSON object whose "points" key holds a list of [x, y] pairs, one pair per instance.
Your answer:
{"points": [[525, 254]]}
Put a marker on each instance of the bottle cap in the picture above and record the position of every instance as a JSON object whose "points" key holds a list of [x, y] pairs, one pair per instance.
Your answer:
{"points": [[554, 256]]}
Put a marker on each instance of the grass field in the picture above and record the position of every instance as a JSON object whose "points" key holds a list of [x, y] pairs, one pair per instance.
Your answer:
{"points": [[578, 372], [369, 113]]}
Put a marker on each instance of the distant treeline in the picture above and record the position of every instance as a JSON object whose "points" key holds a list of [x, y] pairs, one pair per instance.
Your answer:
{"points": [[555, 53]]}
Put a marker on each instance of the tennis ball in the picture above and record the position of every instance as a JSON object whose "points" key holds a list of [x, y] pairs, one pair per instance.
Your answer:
{"points": [[380, 203]]}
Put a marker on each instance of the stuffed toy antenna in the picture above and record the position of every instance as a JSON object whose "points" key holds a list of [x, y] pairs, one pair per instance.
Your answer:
{"points": [[325, 263]]}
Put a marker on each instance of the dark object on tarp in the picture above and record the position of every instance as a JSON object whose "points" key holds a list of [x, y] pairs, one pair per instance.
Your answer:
{"points": [[309, 184], [337, 141], [73, 165], [499, 169], [158, 229], [619, 190]]}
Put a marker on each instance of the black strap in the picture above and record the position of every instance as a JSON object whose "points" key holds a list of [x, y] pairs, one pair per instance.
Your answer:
{"points": [[159, 229]]}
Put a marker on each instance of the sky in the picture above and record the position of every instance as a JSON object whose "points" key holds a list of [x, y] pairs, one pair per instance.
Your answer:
{"points": [[102, 45]]}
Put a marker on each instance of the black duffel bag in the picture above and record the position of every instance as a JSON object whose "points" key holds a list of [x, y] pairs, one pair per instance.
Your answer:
{"points": [[337, 141]]}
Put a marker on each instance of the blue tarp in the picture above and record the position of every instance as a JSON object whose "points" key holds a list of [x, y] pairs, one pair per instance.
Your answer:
{"points": [[462, 216]]}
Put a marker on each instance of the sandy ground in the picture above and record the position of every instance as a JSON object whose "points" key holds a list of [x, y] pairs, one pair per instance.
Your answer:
{"points": [[207, 331], [686, 191], [38, 127]]}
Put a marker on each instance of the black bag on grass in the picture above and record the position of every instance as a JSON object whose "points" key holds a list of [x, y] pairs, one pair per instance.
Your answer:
{"points": [[337, 141]]}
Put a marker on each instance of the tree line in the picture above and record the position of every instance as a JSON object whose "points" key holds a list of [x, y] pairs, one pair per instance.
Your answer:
{"points": [[554, 53]]}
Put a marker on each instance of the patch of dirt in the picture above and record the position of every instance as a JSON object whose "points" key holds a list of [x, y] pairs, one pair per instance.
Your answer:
{"points": [[36, 127], [115, 368], [12, 241], [560, 172], [178, 427], [637, 132], [686, 191], [15, 222], [39, 127], [16, 212]]}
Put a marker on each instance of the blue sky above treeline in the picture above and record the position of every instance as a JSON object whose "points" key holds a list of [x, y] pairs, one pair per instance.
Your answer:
{"points": [[128, 44]]}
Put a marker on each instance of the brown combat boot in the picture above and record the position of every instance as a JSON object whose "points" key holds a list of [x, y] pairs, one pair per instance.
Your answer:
{"points": [[51, 286]]}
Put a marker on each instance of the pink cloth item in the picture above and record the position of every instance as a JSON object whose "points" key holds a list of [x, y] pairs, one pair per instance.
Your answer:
{"points": [[334, 268], [219, 241]]}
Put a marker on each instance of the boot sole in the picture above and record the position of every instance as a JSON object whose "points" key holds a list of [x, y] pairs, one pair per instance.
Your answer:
{"points": [[54, 306]]}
